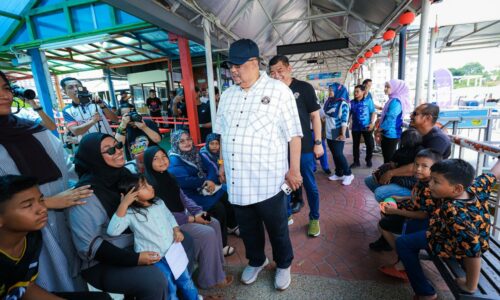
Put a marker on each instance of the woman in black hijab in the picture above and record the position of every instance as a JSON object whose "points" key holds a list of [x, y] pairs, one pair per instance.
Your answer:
{"points": [[109, 263], [206, 234]]}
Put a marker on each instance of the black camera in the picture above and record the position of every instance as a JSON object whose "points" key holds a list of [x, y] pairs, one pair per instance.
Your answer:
{"points": [[135, 117], [83, 95], [23, 93]]}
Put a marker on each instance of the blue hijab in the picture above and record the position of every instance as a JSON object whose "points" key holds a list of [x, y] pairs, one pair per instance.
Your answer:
{"points": [[340, 93], [211, 137]]}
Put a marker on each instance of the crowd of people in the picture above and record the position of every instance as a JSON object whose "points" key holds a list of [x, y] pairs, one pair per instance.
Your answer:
{"points": [[92, 219]]}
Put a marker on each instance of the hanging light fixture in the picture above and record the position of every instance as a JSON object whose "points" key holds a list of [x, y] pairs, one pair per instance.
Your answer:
{"points": [[406, 18], [389, 35], [368, 54], [376, 49], [361, 60]]}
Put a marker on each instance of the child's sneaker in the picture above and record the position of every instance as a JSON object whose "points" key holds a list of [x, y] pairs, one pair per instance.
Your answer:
{"points": [[348, 179]]}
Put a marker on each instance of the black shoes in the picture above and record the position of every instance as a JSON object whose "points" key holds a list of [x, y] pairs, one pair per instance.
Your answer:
{"points": [[355, 165], [297, 206], [369, 164], [380, 245]]}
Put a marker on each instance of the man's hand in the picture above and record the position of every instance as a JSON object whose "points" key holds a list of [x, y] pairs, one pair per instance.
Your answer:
{"points": [[294, 179], [371, 126], [148, 258], [96, 118], [341, 137], [125, 121], [318, 151], [386, 178], [69, 197], [199, 219], [141, 125]]}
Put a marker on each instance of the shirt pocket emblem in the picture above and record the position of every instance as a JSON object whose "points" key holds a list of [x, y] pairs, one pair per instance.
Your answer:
{"points": [[265, 100]]}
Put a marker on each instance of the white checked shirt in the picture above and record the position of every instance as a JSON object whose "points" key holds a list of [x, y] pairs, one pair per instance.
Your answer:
{"points": [[256, 127]]}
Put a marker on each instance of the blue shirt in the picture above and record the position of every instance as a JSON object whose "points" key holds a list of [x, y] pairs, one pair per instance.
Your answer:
{"points": [[336, 117], [393, 121], [361, 112]]}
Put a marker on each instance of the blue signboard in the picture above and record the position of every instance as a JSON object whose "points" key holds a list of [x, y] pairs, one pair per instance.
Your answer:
{"points": [[480, 114], [320, 76]]}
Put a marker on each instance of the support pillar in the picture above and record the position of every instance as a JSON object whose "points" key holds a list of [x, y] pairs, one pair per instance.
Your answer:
{"points": [[58, 93], [402, 53], [430, 76], [188, 84], [219, 75], [422, 50], [210, 70], [111, 88], [393, 62], [43, 82]]}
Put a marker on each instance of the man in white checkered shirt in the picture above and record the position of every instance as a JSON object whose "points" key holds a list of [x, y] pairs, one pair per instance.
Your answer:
{"points": [[258, 121]]}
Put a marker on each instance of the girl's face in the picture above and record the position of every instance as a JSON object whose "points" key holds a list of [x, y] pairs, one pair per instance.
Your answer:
{"points": [[6, 97], [160, 162], [214, 146], [185, 143], [145, 192], [116, 159], [387, 88], [330, 92], [358, 94]]}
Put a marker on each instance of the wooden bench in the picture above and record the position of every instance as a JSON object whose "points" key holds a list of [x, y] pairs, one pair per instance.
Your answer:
{"points": [[489, 281]]}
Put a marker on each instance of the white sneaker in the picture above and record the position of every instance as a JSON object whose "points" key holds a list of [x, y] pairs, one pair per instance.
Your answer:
{"points": [[348, 179], [335, 177], [282, 279], [250, 273]]}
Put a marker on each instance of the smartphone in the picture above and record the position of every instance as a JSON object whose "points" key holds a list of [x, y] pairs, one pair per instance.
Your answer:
{"points": [[206, 216], [286, 189]]}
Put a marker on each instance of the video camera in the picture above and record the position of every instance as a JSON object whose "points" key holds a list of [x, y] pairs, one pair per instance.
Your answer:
{"points": [[83, 95], [25, 94], [135, 116]]}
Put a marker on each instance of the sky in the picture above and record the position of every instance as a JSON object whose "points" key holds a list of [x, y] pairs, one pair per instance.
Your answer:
{"points": [[452, 12]]}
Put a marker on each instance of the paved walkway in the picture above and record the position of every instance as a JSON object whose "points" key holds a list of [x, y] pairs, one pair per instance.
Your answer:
{"points": [[338, 263]]}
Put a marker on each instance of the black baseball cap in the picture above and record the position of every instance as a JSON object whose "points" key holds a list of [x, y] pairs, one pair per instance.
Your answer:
{"points": [[123, 93], [241, 51]]}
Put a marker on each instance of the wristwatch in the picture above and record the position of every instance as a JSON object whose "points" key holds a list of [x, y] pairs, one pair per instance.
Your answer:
{"points": [[317, 142]]}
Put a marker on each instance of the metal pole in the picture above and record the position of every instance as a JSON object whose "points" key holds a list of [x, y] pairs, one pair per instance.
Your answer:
{"points": [[111, 88], [43, 82], [210, 70], [393, 62], [422, 50], [402, 53], [430, 76], [219, 75]]}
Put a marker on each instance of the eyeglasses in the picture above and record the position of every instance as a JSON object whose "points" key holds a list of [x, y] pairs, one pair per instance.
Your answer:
{"points": [[230, 65], [112, 150]]}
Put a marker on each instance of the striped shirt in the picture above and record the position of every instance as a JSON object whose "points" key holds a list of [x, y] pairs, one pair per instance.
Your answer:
{"points": [[340, 113], [80, 114], [256, 126], [153, 231]]}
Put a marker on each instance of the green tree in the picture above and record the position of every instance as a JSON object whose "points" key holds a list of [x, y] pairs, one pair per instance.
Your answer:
{"points": [[457, 72], [473, 68]]}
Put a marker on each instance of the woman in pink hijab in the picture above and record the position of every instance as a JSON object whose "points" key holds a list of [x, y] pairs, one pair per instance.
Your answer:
{"points": [[391, 120]]}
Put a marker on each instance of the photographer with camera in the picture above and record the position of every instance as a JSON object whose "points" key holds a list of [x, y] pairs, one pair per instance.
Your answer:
{"points": [[86, 113], [28, 97], [136, 133]]}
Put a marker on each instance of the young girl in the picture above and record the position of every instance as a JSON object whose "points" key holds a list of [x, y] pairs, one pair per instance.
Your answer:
{"points": [[154, 227]]}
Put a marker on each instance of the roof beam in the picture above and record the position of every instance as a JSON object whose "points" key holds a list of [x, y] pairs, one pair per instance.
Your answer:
{"points": [[239, 14], [137, 63], [312, 18], [356, 16], [155, 13], [271, 21], [142, 51], [10, 15], [476, 30], [346, 18]]}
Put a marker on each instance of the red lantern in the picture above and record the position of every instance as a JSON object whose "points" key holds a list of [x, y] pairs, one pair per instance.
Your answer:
{"points": [[376, 49], [361, 60], [368, 54], [389, 35], [351, 70], [355, 66], [406, 18]]}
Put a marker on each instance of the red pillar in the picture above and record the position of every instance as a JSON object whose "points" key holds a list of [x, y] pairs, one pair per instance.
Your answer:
{"points": [[188, 84]]}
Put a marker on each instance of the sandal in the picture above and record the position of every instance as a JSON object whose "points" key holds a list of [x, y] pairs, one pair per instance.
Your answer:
{"points": [[226, 282], [235, 231], [228, 251], [393, 272]]}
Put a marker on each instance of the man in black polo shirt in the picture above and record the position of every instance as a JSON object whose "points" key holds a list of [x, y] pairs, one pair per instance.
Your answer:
{"points": [[308, 108], [204, 117]]}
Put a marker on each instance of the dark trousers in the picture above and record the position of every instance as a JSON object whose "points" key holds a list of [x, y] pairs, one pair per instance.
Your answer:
{"points": [[388, 148], [84, 295], [408, 247], [356, 139], [224, 212], [272, 214], [341, 165], [142, 282]]}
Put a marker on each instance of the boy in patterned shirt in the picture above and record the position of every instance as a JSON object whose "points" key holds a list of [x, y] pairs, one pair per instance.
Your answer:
{"points": [[459, 227], [412, 213]]}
